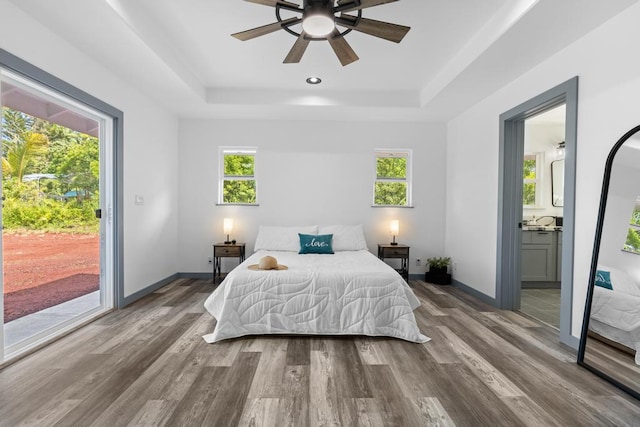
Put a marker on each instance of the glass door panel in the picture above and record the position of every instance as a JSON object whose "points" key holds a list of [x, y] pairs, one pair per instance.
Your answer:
{"points": [[52, 191]]}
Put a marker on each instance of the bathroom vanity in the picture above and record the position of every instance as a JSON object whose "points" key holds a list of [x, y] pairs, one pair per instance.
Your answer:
{"points": [[541, 254]]}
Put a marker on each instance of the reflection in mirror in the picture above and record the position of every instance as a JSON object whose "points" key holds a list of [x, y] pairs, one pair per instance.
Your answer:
{"points": [[610, 341], [557, 183]]}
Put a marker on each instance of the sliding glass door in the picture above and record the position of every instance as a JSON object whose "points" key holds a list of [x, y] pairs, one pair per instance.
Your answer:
{"points": [[56, 214]]}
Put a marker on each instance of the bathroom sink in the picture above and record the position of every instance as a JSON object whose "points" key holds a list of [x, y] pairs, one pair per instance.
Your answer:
{"points": [[541, 228]]}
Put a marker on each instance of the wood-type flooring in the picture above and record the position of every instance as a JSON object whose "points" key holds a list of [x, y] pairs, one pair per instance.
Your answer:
{"points": [[148, 365]]}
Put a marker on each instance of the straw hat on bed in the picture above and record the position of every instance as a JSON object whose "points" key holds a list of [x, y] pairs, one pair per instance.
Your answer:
{"points": [[267, 263]]}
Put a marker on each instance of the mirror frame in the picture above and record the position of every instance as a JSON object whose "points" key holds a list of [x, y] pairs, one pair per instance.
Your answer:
{"points": [[594, 266]]}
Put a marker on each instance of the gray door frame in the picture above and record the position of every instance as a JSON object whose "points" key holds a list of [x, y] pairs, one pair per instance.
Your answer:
{"points": [[508, 268]]}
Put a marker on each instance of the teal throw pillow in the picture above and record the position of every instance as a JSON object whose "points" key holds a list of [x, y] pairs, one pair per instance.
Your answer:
{"points": [[603, 279], [312, 244]]}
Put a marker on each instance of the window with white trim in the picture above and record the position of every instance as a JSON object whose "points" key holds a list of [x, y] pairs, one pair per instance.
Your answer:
{"points": [[632, 243], [532, 180], [238, 183], [392, 186]]}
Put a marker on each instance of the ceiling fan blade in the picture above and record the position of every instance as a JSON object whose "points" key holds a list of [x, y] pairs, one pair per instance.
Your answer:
{"points": [[343, 50], [298, 49], [363, 4], [265, 29], [273, 3], [384, 30]]}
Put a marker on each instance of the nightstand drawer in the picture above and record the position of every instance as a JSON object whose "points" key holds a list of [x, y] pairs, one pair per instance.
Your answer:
{"points": [[394, 252], [227, 251]]}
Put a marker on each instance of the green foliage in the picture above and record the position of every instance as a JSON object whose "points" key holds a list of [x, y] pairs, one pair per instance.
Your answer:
{"points": [[80, 166], [529, 170], [529, 189], [32, 145], [391, 187], [391, 167], [50, 215], [529, 194], [391, 193], [633, 241], [239, 190], [635, 217], [21, 145], [438, 262], [239, 164]]}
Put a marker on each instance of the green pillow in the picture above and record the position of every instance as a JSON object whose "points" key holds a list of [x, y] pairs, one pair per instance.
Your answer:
{"points": [[316, 244], [603, 279]]}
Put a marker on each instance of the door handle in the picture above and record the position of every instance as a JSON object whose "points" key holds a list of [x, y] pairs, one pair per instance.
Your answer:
{"points": [[98, 213]]}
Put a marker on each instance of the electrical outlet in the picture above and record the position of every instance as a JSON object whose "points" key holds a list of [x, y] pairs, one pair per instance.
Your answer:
{"points": [[210, 260], [418, 262], [455, 266]]}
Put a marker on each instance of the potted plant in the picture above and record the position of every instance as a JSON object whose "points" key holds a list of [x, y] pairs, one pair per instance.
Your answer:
{"points": [[438, 265]]}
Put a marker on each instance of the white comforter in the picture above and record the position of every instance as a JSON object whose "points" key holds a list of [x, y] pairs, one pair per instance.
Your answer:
{"points": [[619, 310], [348, 293]]}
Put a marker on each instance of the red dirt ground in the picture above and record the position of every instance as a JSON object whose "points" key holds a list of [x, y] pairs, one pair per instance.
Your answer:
{"points": [[45, 269]]}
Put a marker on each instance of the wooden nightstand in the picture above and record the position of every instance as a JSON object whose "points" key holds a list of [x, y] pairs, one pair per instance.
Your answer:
{"points": [[222, 250], [396, 251]]}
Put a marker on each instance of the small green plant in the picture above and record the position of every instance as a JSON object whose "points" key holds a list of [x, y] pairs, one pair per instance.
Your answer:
{"points": [[438, 262]]}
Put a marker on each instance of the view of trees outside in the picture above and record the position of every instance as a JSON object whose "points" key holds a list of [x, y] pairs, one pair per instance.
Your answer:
{"points": [[632, 244], [239, 185], [391, 186], [529, 188], [64, 194]]}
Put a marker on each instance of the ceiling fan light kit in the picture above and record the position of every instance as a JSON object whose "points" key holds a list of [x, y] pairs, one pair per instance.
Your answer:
{"points": [[320, 20]]}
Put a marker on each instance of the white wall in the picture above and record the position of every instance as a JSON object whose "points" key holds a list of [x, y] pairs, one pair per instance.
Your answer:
{"points": [[608, 106], [309, 173], [150, 145]]}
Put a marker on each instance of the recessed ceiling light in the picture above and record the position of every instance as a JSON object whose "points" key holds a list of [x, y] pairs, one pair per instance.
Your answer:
{"points": [[314, 80]]}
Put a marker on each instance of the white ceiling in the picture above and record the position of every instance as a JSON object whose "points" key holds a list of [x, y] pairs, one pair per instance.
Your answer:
{"points": [[181, 54]]}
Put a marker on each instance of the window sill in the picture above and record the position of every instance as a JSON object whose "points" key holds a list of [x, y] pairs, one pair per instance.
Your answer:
{"points": [[237, 204], [392, 206]]}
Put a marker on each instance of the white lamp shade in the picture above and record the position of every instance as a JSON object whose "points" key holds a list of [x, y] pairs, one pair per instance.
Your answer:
{"points": [[394, 227], [228, 225]]}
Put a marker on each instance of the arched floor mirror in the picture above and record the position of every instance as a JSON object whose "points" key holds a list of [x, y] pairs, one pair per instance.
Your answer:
{"points": [[610, 340]]}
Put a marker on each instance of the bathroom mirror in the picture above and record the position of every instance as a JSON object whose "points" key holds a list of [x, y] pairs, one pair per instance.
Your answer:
{"points": [[557, 183], [610, 340]]}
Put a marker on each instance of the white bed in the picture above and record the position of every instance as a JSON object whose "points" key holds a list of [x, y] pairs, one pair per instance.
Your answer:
{"points": [[615, 314], [347, 293]]}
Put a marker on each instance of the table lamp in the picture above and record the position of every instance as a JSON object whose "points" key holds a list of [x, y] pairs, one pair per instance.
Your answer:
{"points": [[228, 228], [394, 229]]}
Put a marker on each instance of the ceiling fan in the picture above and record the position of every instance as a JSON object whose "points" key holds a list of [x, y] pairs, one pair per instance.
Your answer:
{"points": [[320, 20]]}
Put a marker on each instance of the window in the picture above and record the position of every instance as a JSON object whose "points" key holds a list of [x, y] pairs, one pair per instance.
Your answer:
{"points": [[238, 183], [393, 178], [531, 189], [632, 243]]}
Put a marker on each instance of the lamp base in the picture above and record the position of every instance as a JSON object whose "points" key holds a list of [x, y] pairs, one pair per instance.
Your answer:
{"points": [[394, 243], [227, 243]]}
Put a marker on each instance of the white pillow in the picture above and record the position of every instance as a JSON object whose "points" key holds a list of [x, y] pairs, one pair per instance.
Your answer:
{"points": [[346, 237], [274, 238]]}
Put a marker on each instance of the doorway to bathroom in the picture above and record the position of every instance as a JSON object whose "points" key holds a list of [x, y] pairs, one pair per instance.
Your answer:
{"points": [[512, 190], [542, 215]]}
